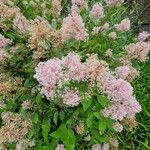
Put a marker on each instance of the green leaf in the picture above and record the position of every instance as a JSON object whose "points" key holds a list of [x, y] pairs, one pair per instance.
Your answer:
{"points": [[55, 118], [29, 83], [103, 100], [86, 104], [46, 129], [39, 98], [102, 126], [59, 132], [35, 118], [71, 136], [62, 115], [97, 115], [89, 120]]}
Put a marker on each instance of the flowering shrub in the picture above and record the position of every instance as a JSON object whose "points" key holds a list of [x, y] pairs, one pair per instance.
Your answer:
{"points": [[66, 72]]}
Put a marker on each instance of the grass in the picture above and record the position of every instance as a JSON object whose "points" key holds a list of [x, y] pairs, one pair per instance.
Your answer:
{"points": [[139, 139]]}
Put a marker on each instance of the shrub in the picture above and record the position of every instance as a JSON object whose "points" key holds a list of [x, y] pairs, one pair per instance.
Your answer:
{"points": [[66, 71]]}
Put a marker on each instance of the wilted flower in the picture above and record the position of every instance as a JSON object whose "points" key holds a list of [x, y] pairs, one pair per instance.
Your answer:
{"points": [[105, 26], [108, 53], [56, 8], [79, 128]]}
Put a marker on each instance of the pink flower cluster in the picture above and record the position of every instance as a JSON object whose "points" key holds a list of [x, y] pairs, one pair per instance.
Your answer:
{"points": [[138, 50], [76, 70], [48, 75], [98, 29], [73, 27], [71, 98], [124, 25], [120, 92], [143, 36], [55, 72], [20, 23], [97, 11], [126, 72], [112, 3], [4, 42]]}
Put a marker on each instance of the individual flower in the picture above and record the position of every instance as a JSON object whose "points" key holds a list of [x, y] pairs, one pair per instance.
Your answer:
{"points": [[123, 26], [71, 98], [96, 147], [112, 35], [143, 36], [87, 137], [130, 122], [60, 147], [114, 144], [108, 53], [105, 26], [96, 30], [97, 11], [2, 104], [118, 127], [79, 128], [26, 104], [73, 27], [105, 146]]}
